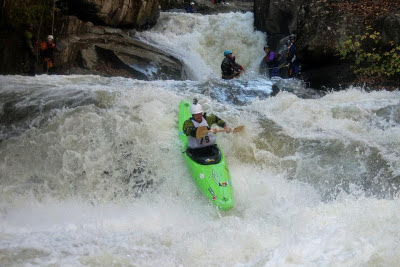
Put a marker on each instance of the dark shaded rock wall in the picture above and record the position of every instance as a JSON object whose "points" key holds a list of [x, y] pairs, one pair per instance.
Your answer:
{"points": [[390, 26], [323, 25], [278, 18], [320, 26]]}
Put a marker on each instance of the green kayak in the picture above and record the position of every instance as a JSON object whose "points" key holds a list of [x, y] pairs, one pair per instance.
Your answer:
{"points": [[210, 171]]}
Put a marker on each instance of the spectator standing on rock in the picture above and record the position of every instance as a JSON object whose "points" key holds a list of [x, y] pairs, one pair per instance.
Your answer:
{"points": [[30, 48], [293, 64], [191, 8], [46, 53], [272, 62], [186, 3]]}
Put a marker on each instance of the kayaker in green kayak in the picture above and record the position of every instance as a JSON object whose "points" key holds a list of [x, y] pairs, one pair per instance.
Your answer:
{"points": [[205, 161], [198, 119]]}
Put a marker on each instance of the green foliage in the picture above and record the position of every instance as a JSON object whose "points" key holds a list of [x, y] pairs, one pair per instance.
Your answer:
{"points": [[372, 56], [19, 13]]}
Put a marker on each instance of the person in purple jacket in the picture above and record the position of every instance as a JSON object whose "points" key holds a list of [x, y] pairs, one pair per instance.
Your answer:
{"points": [[271, 61]]}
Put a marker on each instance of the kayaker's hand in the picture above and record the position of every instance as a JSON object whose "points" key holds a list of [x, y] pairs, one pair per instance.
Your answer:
{"points": [[227, 129], [213, 130]]}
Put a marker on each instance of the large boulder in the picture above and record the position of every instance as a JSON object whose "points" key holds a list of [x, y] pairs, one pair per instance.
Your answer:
{"points": [[122, 13], [84, 48]]}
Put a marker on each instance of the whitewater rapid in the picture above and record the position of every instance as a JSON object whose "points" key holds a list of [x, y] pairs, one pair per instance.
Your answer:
{"points": [[200, 41], [91, 172]]}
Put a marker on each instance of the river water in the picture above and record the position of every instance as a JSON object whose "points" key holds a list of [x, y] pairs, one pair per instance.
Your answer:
{"points": [[91, 171]]}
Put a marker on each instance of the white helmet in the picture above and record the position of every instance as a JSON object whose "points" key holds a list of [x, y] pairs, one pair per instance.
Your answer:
{"points": [[50, 37], [196, 108]]}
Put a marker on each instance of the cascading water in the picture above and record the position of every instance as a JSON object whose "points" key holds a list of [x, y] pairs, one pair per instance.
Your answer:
{"points": [[201, 40], [91, 172]]}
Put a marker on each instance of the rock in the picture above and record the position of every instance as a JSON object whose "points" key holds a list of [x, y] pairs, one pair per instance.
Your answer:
{"points": [[321, 26], [122, 13], [111, 52], [390, 26], [208, 7], [277, 18], [324, 25]]}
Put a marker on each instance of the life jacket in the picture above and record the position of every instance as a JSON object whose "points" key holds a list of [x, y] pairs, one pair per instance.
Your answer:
{"points": [[271, 60], [46, 50], [227, 68], [207, 140]]}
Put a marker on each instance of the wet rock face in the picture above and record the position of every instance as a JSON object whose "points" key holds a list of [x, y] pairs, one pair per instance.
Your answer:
{"points": [[278, 18], [122, 13], [88, 49], [321, 26], [390, 26]]}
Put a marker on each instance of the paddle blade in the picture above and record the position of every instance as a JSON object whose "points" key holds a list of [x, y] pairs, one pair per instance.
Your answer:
{"points": [[201, 132], [238, 129]]}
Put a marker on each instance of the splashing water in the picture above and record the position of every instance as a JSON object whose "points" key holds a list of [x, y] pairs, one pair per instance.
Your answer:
{"points": [[91, 172]]}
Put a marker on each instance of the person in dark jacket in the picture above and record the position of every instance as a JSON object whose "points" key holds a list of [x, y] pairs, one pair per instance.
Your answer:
{"points": [[191, 8], [272, 62], [293, 64], [30, 47], [227, 66]]}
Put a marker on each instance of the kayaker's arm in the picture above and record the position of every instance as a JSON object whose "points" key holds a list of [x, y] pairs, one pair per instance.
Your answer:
{"points": [[214, 119], [189, 129]]}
